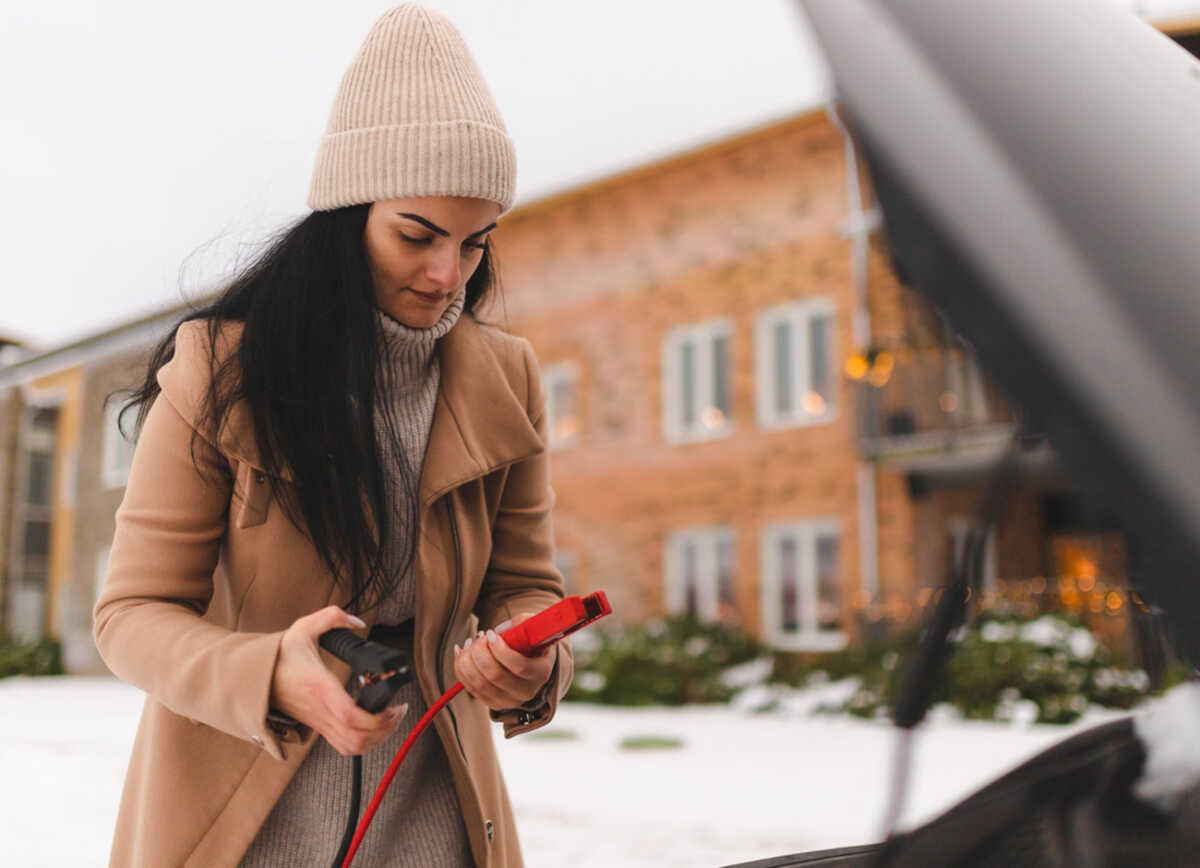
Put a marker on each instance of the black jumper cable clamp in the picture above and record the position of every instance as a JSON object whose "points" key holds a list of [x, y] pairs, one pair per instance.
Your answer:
{"points": [[529, 638], [379, 670]]}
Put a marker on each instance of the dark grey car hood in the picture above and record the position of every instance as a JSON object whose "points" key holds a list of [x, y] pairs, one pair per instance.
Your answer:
{"points": [[1038, 167]]}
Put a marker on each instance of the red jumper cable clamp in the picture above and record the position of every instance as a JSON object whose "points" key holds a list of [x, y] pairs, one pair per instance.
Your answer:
{"points": [[529, 637]]}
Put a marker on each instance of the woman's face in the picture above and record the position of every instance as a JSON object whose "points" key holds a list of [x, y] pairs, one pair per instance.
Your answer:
{"points": [[422, 251]]}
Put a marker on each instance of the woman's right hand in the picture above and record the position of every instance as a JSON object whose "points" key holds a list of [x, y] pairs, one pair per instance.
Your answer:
{"points": [[305, 689]]}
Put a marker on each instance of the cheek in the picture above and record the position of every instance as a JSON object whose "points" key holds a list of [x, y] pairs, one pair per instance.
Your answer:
{"points": [[385, 262]]}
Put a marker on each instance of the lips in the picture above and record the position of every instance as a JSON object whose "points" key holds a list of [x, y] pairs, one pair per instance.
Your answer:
{"points": [[431, 297]]}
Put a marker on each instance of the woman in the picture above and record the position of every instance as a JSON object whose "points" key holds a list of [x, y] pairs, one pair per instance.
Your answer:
{"points": [[336, 442]]}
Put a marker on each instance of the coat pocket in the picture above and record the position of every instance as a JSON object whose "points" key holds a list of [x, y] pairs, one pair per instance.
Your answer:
{"points": [[254, 491]]}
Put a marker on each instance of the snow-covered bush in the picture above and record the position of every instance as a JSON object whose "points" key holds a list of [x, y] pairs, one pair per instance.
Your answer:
{"points": [[43, 657], [1047, 670], [672, 661]]}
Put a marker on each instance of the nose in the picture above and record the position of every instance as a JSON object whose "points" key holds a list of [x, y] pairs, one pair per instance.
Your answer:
{"points": [[443, 267]]}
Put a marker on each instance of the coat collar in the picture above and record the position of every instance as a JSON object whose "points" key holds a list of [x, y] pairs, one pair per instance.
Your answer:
{"points": [[480, 423]]}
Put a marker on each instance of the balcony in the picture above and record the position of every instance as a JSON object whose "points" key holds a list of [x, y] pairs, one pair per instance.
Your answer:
{"points": [[928, 410]]}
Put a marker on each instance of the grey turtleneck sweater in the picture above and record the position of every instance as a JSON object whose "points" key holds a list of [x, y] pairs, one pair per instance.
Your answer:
{"points": [[419, 823]]}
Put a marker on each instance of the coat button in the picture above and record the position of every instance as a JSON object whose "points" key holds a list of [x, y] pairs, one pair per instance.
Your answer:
{"points": [[490, 829], [260, 478]]}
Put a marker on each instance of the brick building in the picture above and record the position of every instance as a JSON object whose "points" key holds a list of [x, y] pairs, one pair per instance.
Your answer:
{"points": [[751, 419], [62, 473]]}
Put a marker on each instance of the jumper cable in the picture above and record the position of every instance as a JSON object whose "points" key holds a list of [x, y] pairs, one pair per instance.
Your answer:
{"points": [[529, 637]]}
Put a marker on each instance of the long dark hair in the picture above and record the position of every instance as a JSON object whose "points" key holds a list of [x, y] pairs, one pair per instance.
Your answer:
{"points": [[307, 367]]}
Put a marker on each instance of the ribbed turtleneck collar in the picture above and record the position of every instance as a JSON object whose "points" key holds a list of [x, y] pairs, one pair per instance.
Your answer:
{"points": [[407, 352]]}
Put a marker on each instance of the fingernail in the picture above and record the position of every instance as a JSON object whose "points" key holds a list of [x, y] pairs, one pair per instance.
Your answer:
{"points": [[500, 628], [357, 621], [399, 711], [457, 650], [467, 644], [492, 638]]}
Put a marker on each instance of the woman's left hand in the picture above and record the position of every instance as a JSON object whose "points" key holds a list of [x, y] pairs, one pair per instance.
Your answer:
{"points": [[498, 676]]}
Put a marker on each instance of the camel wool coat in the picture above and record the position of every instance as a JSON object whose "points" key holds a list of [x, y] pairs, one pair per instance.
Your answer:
{"points": [[206, 573]]}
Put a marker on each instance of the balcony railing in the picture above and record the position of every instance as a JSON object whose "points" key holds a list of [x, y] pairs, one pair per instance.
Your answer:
{"points": [[930, 407]]}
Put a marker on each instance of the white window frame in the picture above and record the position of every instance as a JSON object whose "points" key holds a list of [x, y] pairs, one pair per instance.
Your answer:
{"points": [[958, 529], [27, 607], [707, 541], [702, 335], [553, 375], [117, 456], [809, 637], [797, 315]]}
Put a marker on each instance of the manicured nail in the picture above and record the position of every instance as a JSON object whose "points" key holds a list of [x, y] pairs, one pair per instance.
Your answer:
{"points": [[357, 621], [492, 638], [457, 650], [467, 644], [500, 628]]}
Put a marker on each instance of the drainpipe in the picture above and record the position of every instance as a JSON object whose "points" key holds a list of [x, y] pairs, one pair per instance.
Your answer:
{"points": [[857, 226]]}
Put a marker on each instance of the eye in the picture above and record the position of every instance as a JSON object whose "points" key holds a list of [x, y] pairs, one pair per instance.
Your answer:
{"points": [[473, 245], [423, 242]]}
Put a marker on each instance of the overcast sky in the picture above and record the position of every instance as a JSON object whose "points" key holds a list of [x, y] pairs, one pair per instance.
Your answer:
{"points": [[144, 144]]}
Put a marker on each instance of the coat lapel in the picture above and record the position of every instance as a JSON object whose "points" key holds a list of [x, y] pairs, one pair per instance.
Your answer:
{"points": [[480, 423]]}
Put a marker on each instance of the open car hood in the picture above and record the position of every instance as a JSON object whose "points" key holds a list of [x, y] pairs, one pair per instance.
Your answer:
{"points": [[1038, 169]]}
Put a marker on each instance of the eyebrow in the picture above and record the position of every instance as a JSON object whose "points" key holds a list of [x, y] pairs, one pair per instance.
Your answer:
{"points": [[433, 227]]}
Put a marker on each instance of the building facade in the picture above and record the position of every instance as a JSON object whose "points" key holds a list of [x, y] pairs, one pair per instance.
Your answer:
{"points": [[751, 419], [63, 470]]}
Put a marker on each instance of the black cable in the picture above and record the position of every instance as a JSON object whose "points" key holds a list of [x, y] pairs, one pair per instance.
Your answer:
{"points": [[356, 775], [950, 609]]}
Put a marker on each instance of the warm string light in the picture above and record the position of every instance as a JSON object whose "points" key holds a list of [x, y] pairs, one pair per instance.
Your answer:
{"points": [[1079, 595], [873, 366]]}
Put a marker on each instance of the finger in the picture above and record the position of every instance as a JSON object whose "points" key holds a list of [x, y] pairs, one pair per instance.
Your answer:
{"points": [[515, 662], [347, 733], [532, 672], [358, 720], [515, 687], [330, 618], [469, 667]]}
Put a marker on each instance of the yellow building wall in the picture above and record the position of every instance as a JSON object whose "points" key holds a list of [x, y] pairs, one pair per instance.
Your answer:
{"points": [[64, 388]]}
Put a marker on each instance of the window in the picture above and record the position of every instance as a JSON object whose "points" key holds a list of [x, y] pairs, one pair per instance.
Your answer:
{"points": [[795, 356], [33, 513], [118, 451], [697, 403], [562, 410], [801, 587], [701, 566], [958, 530]]}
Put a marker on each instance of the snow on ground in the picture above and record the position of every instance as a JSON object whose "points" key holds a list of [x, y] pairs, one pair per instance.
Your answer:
{"points": [[741, 786]]}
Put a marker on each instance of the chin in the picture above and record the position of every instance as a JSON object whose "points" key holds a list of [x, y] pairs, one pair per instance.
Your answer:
{"points": [[414, 319]]}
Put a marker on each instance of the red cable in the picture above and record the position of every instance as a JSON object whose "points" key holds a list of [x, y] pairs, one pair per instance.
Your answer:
{"points": [[361, 831], [529, 637]]}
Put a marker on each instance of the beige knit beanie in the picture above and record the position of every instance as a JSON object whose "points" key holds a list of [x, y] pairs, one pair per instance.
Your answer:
{"points": [[413, 117]]}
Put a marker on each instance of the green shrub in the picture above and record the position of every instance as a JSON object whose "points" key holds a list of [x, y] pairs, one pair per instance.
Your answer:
{"points": [[1047, 669], [675, 661], [43, 657]]}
